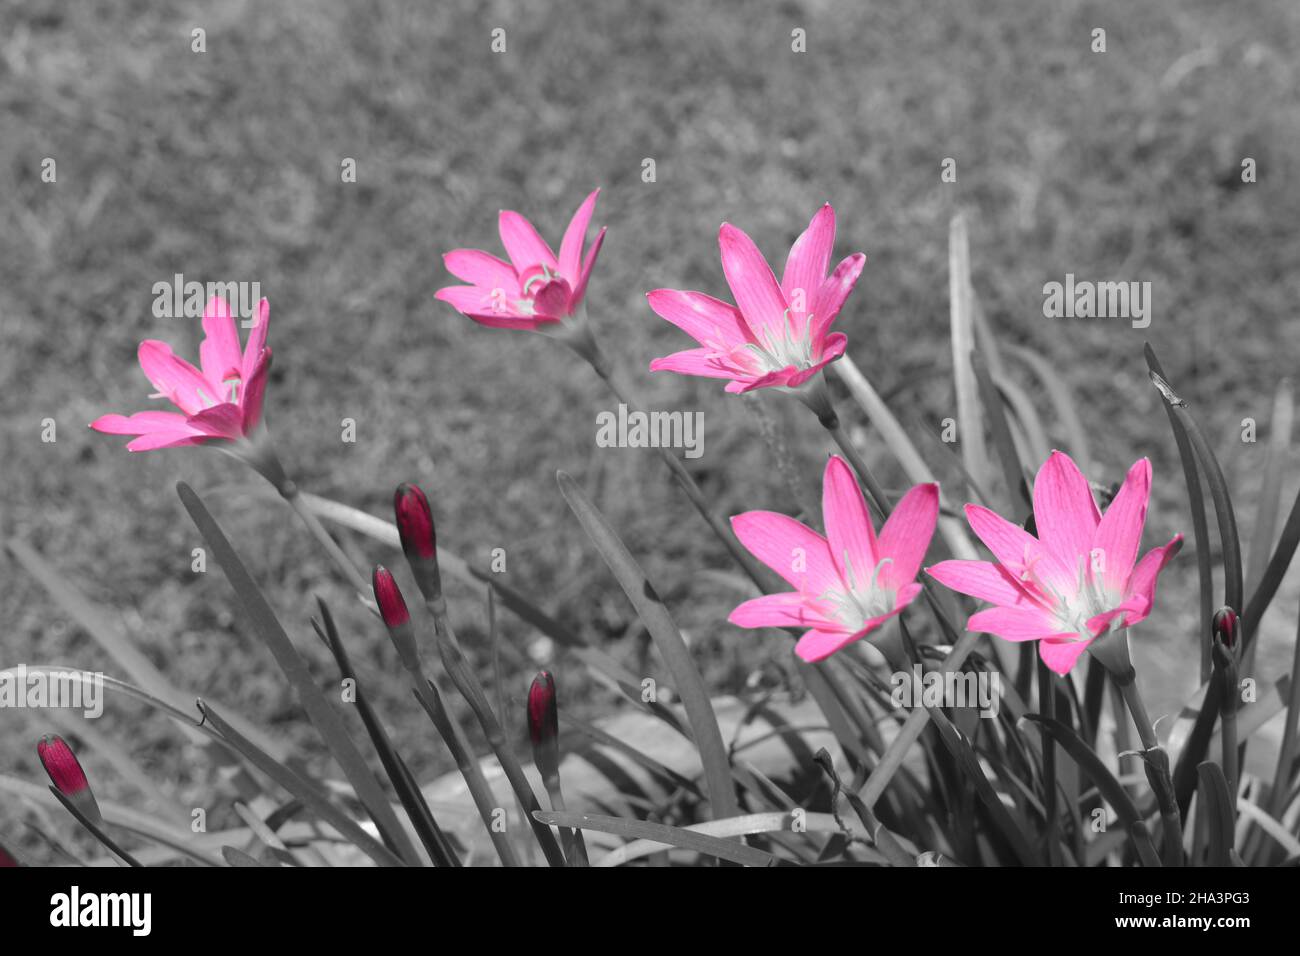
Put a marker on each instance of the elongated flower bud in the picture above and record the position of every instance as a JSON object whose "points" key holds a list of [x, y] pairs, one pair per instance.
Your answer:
{"points": [[392, 608], [67, 776], [544, 725], [1227, 626], [419, 538]]}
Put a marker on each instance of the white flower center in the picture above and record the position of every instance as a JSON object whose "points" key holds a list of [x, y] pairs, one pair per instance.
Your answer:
{"points": [[862, 599], [776, 351]]}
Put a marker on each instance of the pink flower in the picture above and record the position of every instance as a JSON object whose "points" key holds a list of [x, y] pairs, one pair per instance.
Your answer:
{"points": [[775, 335], [535, 288], [848, 583], [1078, 580], [220, 400]]}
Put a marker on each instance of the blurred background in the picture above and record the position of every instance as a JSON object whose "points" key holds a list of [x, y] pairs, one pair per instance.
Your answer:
{"points": [[225, 165]]}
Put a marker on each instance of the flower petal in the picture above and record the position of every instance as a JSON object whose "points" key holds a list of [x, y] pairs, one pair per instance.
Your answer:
{"points": [[1019, 551], [1064, 510], [755, 289], [574, 236], [1015, 623], [141, 423], [906, 534], [252, 392], [256, 339], [588, 266], [788, 609], [831, 296], [1119, 534], [482, 269], [709, 321], [219, 354], [790, 548], [849, 533], [806, 265], [1142, 583], [524, 246], [184, 386], [1060, 656], [980, 579], [703, 362]]}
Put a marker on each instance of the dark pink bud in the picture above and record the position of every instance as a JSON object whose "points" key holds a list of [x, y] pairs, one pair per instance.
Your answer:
{"points": [[392, 607], [415, 522], [6, 858], [419, 539], [67, 776], [1227, 626], [543, 726], [543, 721]]}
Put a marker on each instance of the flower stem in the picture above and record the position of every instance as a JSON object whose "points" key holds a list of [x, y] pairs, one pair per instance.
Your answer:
{"points": [[618, 384], [817, 397], [344, 563], [1157, 766]]}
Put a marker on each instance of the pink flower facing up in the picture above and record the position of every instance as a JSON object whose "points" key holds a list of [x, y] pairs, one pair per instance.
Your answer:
{"points": [[1078, 580], [848, 583], [536, 289], [777, 334], [67, 776], [219, 401]]}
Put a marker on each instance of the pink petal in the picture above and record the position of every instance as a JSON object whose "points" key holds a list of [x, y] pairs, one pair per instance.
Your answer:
{"points": [[1119, 535], [709, 321], [252, 393], [831, 295], [790, 548], [480, 301], [184, 385], [1142, 584], [817, 645], [789, 609], [1060, 656], [219, 354], [574, 235], [1019, 550], [1064, 510], [256, 339], [1015, 623], [849, 534], [524, 246], [157, 440], [806, 265], [980, 579], [220, 421], [588, 266], [482, 269], [141, 423], [906, 534], [552, 299], [752, 283], [703, 362]]}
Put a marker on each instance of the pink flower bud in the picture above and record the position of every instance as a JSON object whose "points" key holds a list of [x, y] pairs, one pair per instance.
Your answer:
{"points": [[419, 538], [67, 776], [392, 607], [543, 726], [1227, 626]]}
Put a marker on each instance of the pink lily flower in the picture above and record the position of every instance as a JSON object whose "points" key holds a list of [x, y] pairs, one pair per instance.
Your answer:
{"points": [[848, 583], [1078, 580], [776, 334], [220, 400], [536, 288]]}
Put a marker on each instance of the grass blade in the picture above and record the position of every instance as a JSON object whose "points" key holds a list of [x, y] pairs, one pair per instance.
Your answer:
{"points": [[1112, 790], [1215, 801], [686, 839], [311, 795], [323, 717], [961, 306], [668, 640]]}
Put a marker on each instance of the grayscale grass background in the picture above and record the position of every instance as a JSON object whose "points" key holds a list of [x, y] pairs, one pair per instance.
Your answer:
{"points": [[225, 165]]}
